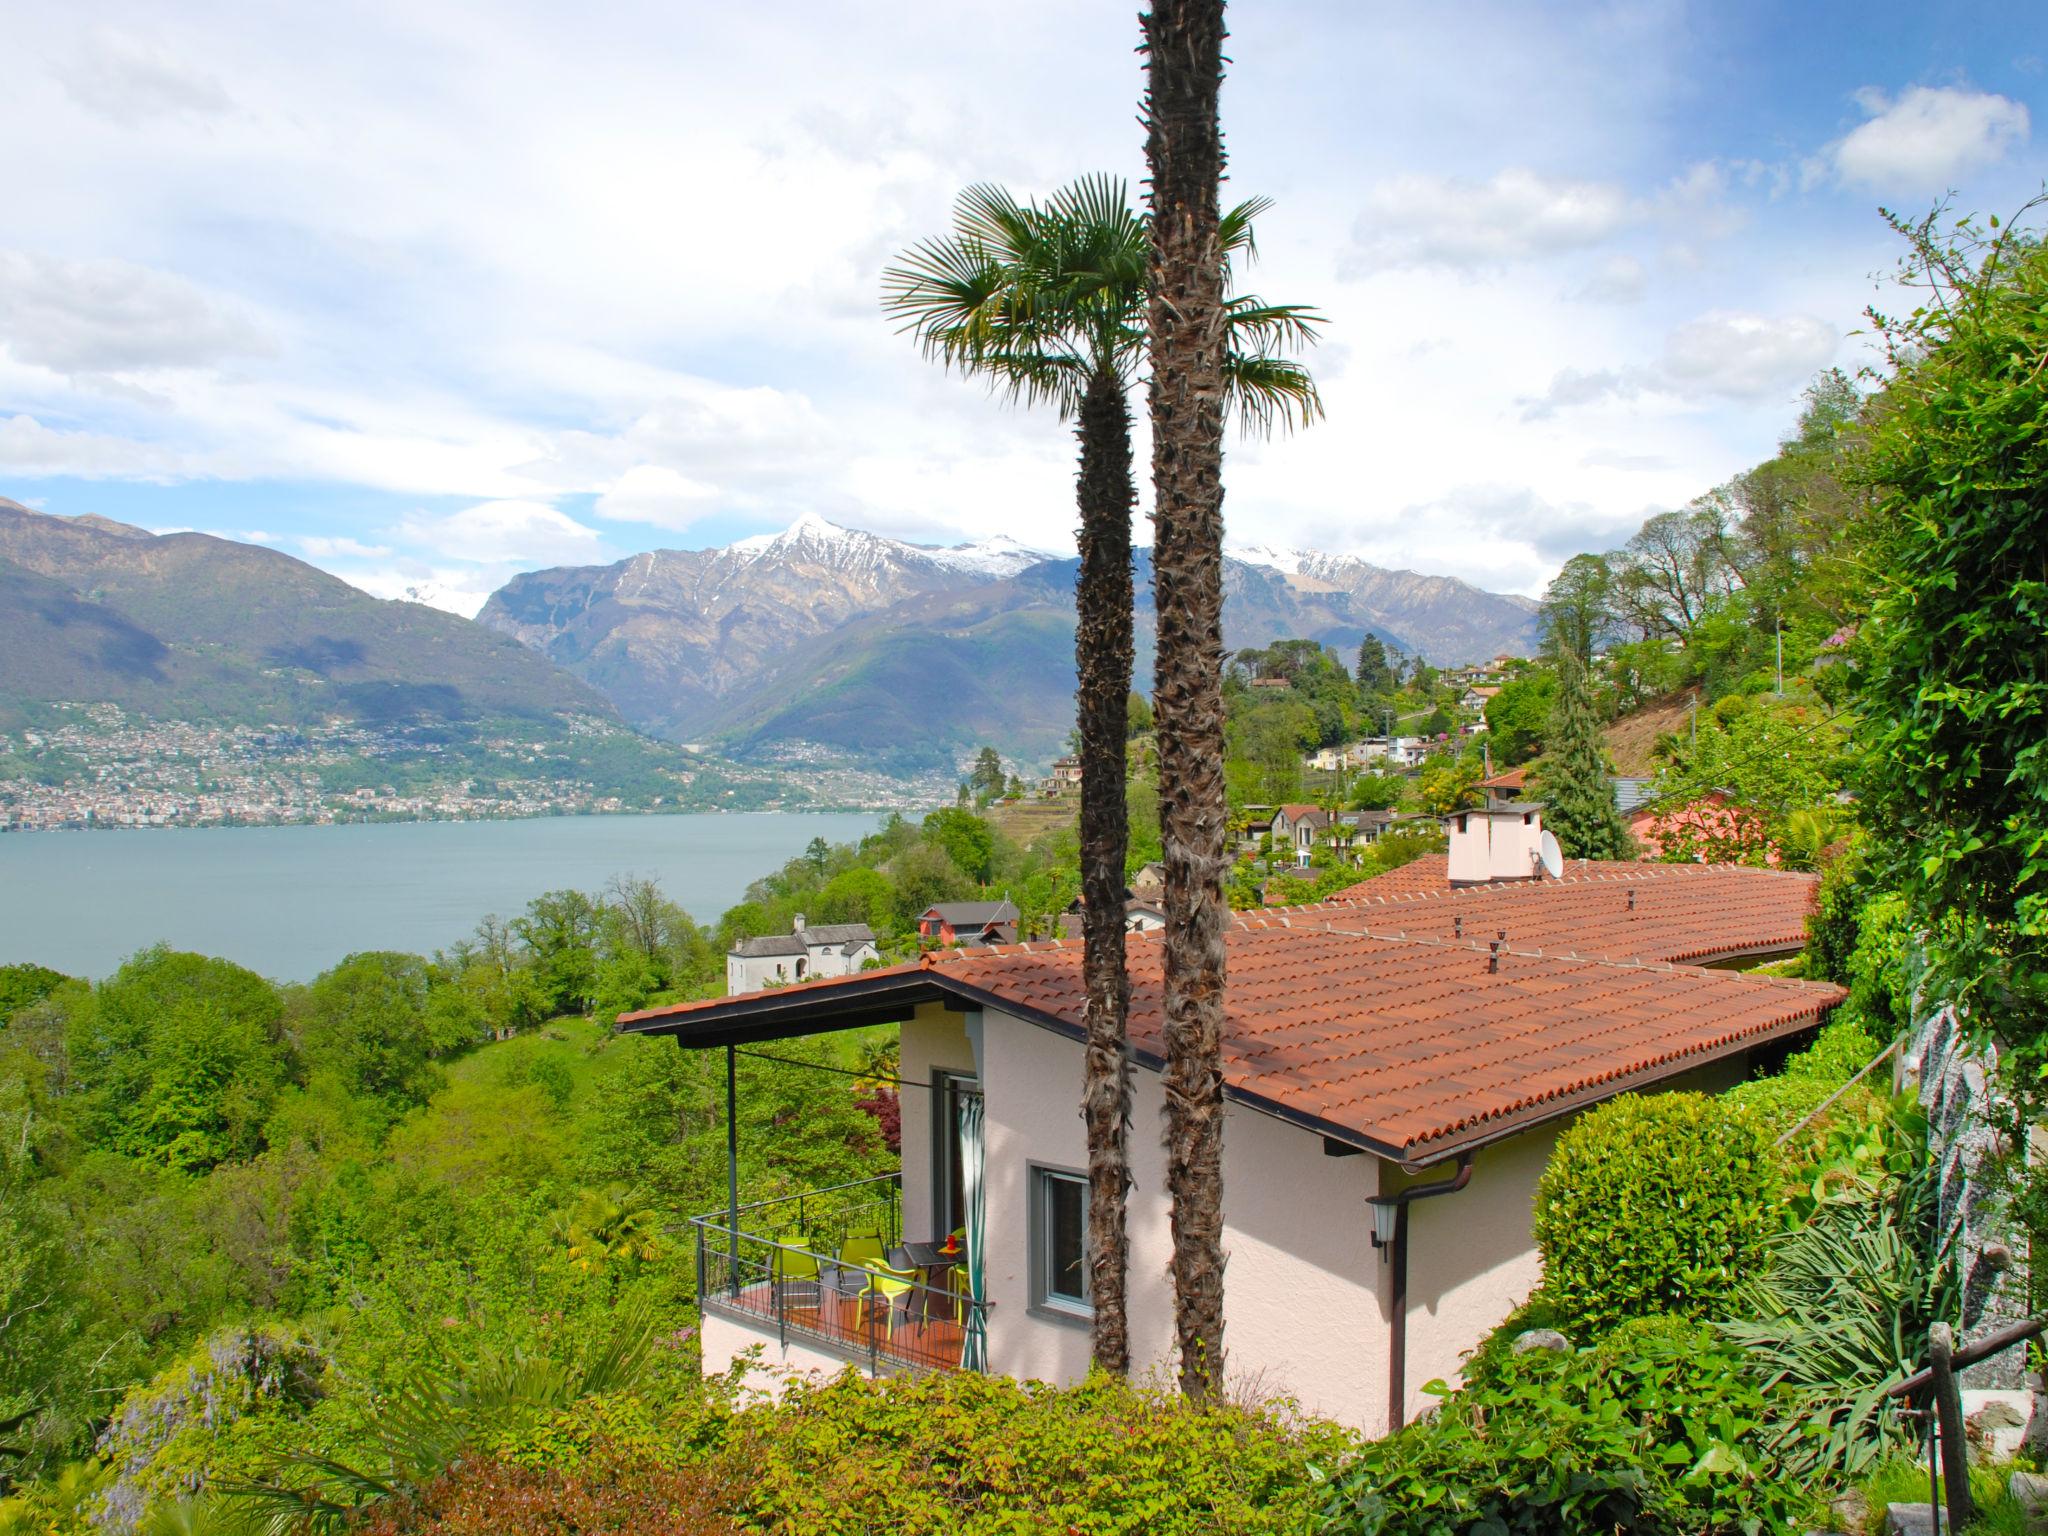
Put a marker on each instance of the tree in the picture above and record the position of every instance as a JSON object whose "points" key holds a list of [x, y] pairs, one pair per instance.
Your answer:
{"points": [[1578, 607], [1676, 563], [1375, 673], [1518, 715], [177, 1057], [1575, 779], [1183, 47], [1449, 784], [968, 841], [987, 777], [1137, 715], [1045, 301], [367, 1020]]}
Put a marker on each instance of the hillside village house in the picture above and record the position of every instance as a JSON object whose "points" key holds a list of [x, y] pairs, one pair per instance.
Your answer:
{"points": [[968, 922], [803, 954], [1065, 778], [1396, 1074], [1300, 827], [1475, 698]]}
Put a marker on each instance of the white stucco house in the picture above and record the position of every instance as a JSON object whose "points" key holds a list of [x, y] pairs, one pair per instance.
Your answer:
{"points": [[1396, 1075], [806, 953]]}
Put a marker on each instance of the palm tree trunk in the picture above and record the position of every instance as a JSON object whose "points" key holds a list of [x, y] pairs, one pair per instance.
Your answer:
{"points": [[1184, 151], [1102, 654]]}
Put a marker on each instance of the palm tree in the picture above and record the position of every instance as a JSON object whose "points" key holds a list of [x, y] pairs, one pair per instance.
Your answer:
{"points": [[1047, 301], [1183, 47]]}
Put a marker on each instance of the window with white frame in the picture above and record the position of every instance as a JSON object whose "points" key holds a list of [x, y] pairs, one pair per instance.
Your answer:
{"points": [[1059, 1242]]}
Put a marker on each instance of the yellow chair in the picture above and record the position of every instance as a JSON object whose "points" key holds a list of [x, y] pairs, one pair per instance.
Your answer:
{"points": [[795, 1266], [888, 1286], [962, 1293]]}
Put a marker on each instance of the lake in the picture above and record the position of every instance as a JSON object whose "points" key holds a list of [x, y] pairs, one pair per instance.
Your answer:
{"points": [[291, 901]]}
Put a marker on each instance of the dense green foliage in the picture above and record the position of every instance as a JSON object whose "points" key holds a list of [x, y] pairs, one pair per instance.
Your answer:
{"points": [[1653, 1205], [203, 1176], [976, 1454], [1656, 1429], [1953, 679], [1573, 783]]}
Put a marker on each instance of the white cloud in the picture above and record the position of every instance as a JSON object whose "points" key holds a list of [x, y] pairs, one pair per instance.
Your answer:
{"points": [[1742, 356], [28, 447], [505, 532], [103, 316], [651, 493], [1927, 137], [1419, 220], [129, 80], [1618, 280], [1732, 355], [337, 547]]}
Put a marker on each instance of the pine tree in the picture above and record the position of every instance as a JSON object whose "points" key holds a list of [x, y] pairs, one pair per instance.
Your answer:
{"points": [[1576, 779]]}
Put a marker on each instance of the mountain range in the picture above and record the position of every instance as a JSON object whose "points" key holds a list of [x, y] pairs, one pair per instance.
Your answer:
{"points": [[834, 641], [186, 626], [819, 644]]}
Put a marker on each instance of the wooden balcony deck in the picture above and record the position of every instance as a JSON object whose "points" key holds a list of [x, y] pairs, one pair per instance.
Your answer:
{"points": [[821, 1313]]}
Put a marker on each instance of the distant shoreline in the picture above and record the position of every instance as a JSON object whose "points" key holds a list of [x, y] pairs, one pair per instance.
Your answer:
{"points": [[399, 821]]}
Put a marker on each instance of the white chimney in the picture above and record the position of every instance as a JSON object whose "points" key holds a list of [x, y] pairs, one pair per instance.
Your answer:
{"points": [[797, 925], [1502, 842]]}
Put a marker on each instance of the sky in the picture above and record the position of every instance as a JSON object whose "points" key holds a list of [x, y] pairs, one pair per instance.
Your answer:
{"points": [[428, 293]]}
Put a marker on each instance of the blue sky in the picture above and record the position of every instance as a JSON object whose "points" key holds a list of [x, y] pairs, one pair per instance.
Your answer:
{"points": [[430, 293]]}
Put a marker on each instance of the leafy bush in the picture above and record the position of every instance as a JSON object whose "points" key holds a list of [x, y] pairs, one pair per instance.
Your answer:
{"points": [[968, 1454], [608, 1492], [1843, 1048], [1654, 1430], [1653, 1205]]}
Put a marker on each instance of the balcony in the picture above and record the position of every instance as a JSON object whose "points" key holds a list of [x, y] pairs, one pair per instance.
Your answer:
{"points": [[830, 1268]]}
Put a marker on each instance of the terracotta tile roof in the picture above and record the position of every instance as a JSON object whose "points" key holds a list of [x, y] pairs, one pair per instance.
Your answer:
{"points": [[1668, 913], [1514, 778], [1407, 1045], [1412, 1044]]}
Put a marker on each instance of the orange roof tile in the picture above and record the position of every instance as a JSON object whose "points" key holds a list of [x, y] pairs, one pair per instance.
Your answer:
{"points": [[1408, 1045], [1658, 912]]}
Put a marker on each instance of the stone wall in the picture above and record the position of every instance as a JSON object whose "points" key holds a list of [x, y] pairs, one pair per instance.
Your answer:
{"points": [[1955, 1078]]}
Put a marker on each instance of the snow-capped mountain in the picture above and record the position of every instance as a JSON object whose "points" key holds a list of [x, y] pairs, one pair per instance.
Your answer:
{"points": [[1000, 556], [879, 648], [672, 631], [1444, 618]]}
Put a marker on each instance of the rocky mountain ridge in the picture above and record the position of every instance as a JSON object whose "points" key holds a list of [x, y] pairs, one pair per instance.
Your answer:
{"points": [[823, 638]]}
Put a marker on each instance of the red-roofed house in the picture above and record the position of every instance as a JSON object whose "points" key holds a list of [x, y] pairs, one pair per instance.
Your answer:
{"points": [[1375, 1050]]}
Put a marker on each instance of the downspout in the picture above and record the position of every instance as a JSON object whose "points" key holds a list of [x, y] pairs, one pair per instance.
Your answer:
{"points": [[1397, 1352]]}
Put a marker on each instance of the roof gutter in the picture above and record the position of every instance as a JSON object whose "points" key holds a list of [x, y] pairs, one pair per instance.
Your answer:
{"points": [[1392, 1211]]}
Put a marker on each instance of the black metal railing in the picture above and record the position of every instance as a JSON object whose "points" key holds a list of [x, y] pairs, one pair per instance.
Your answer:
{"points": [[828, 1216], [800, 1281]]}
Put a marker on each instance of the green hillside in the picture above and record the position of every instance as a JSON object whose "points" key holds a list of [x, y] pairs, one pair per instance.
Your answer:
{"points": [[187, 626]]}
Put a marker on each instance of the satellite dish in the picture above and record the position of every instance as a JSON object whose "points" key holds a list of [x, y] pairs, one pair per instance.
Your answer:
{"points": [[1550, 856]]}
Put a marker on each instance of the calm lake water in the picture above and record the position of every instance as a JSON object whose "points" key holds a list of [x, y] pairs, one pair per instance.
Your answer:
{"points": [[290, 901]]}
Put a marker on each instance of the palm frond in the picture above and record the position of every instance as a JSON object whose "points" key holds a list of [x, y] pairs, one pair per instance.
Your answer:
{"points": [[1266, 392], [1255, 324], [1234, 228]]}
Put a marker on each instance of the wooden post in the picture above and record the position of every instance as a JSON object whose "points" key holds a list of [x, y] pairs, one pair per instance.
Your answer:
{"points": [[1948, 1414]]}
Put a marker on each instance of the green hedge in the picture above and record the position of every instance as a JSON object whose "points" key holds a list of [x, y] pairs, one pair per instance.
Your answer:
{"points": [[1654, 1430], [1651, 1206], [973, 1455]]}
